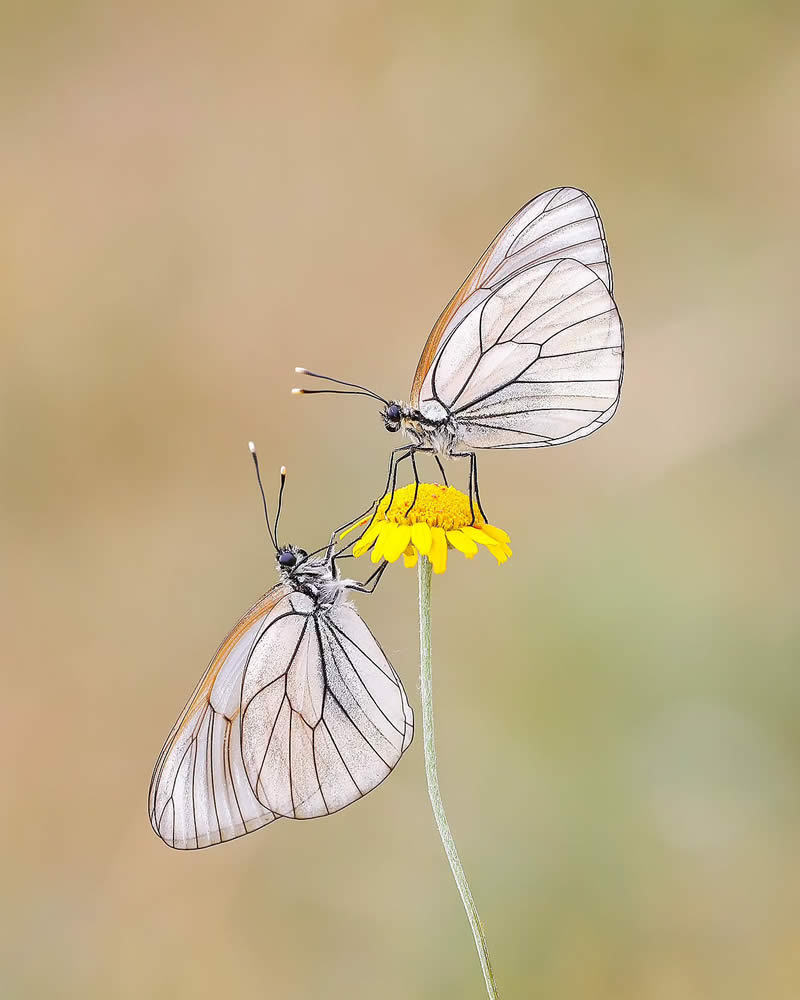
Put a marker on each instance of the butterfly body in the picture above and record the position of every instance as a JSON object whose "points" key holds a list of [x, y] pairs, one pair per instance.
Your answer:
{"points": [[436, 431], [317, 578]]}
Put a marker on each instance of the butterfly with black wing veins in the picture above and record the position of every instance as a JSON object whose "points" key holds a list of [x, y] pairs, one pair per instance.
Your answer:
{"points": [[298, 714], [529, 351]]}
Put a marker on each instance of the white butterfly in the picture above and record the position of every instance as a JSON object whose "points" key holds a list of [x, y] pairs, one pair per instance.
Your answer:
{"points": [[529, 351], [299, 714]]}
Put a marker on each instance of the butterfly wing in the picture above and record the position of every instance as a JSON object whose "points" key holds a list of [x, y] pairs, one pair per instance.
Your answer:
{"points": [[562, 222], [538, 362], [199, 793], [325, 717]]}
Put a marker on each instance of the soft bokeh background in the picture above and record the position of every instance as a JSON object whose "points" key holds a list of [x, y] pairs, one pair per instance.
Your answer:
{"points": [[195, 199]]}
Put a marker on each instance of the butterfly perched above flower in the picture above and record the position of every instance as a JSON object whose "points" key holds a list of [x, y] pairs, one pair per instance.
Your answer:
{"points": [[529, 351], [427, 519]]}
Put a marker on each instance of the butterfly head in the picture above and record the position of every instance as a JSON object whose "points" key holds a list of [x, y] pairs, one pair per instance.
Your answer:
{"points": [[289, 558], [393, 415]]}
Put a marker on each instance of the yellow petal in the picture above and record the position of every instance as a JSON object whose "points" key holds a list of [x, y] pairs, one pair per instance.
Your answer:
{"points": [[386, 529], [499, 550], [358, 524], [496, 533], [367, 539], [421, 537], [397, 542], [438, 552], [498, 553], [477, 535], [410, 557], [462, 542]]}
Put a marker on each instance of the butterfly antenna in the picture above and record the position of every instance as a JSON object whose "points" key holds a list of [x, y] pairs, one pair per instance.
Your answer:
{"points": [[354, 389], [252, 448], [280, 503]]}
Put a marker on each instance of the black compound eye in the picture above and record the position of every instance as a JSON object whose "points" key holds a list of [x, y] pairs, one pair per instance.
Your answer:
{"points": [[287, 558], [393, 412]]}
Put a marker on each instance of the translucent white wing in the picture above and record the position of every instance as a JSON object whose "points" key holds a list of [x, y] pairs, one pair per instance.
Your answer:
{"points": [[199, 792], [560, 223], [324, 716], [537, 362]]}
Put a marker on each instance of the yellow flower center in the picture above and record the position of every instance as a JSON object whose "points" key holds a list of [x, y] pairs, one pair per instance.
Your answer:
{"points": [[438, 506]]}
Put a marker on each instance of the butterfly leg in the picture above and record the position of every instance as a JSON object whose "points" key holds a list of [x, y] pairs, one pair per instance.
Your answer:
{"points": [[408, 452], [441, 469], [467, 454], [372, 581], [474, 463], [474, 493], [395, 458], [416, 484], [412, 456]]}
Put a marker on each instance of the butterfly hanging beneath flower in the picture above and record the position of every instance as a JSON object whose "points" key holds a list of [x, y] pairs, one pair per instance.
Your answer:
{"points": [[298, 714], [529, 351]]}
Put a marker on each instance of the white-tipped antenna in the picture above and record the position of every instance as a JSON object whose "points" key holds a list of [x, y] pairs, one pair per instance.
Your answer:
{"points": [[354, 389], [252, 448], [280, 503]]}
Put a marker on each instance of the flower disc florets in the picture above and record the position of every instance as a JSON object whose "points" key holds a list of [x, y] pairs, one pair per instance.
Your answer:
{"points": [[439, 518]]}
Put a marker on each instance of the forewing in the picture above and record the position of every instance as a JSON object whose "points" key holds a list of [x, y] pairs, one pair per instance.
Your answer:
{"points": [[537, 363], [560, 223], [199, 793], [325, 717]]}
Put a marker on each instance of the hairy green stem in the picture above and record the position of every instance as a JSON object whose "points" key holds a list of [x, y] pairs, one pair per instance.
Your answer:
{"points": [[426, 678]]}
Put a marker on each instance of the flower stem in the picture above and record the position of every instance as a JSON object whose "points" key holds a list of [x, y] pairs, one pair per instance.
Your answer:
{"points": [[426, 679]]}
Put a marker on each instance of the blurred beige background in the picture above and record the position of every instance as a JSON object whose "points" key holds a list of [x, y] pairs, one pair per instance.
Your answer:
{"points": [[195, 199]]}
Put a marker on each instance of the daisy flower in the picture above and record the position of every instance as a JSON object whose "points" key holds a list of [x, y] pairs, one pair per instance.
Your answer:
{"points": [[440, 519]]}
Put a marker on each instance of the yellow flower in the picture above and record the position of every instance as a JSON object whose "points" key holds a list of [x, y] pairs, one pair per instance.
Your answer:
{"points": [[439, 520]]}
